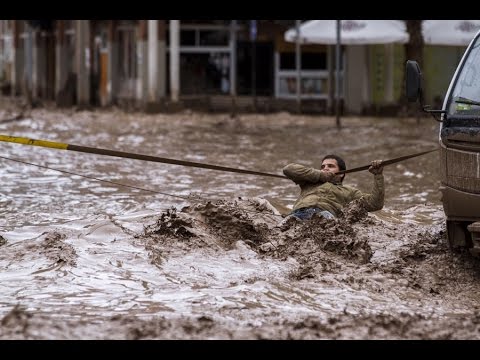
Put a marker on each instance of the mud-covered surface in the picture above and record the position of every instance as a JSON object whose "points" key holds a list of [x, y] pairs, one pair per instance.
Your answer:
{"points": [[84, 259], [222, 224]]}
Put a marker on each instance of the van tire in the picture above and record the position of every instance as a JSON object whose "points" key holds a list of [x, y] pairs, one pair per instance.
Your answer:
{"points": [[457, 235]]}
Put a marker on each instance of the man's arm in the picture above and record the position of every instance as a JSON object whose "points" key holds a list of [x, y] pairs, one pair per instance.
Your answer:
{"points": [[375, 200], [301, 174]]}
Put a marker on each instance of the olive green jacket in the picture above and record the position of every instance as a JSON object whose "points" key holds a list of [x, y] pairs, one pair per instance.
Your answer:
{"points": [[315, 192]]}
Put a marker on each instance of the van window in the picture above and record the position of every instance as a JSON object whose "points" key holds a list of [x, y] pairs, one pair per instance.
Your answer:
{"points": [[465, 98]]}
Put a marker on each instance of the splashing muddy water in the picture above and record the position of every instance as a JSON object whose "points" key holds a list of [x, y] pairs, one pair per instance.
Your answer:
{"points": [[83, 259]]}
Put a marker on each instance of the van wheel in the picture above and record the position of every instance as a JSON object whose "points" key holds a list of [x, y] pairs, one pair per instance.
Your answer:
{"points": [[457, 235]]}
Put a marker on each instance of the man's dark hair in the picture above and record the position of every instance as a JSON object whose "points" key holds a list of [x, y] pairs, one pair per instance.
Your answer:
{"points": [[340, 161]]}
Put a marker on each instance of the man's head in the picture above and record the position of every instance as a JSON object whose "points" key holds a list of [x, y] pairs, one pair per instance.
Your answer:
{"points": [[333, 163]]}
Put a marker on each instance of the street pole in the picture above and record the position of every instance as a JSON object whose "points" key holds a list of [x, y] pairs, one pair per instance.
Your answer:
{"points": [[233, 66], [253, 38], [298, 64], [337, 77]]}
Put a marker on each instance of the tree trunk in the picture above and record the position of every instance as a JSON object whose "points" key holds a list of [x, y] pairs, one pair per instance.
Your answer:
{"points": [[414, 48], [413, 51]]}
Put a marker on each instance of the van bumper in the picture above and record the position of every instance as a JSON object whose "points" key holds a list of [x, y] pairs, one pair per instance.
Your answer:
{"points": [[460, 205]]}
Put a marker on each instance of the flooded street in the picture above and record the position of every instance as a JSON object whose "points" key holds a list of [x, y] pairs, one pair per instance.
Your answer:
{"points": [[201, 255]]}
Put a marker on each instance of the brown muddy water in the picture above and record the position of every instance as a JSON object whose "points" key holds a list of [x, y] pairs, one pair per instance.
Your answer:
{"points": [[84, 259]]}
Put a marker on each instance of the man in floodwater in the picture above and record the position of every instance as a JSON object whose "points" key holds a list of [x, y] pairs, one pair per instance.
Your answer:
{"points": [[323, 192]]}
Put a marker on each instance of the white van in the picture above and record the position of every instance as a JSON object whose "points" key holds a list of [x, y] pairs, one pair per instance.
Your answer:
{"points": [[459, 139]]}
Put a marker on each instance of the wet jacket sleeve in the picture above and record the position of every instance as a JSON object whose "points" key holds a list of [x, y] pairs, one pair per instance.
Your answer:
{"points": [[375, 200], [301, 174]]}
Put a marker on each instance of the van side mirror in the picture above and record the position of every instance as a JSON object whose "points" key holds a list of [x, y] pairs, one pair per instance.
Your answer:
{"points": [[414, 81], [413, 87]]}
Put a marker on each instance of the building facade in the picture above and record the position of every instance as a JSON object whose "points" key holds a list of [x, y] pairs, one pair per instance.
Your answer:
{"points": [[161, 64]]}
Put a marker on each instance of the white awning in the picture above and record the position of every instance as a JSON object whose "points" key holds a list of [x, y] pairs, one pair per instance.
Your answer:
{"points": [[449, 32], [353, 32]]}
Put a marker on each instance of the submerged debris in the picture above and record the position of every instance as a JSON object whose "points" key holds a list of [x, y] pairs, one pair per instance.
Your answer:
{"points": [[223, 223], [55, 249], [173, 224]]}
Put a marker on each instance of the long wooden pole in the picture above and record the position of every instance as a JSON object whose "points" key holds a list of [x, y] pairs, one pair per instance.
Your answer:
{"points": [[387, 162], [91, 150], [122, 154]]}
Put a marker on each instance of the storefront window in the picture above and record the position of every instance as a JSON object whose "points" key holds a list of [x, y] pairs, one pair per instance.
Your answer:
{"points": [[214, 37], [310, 61], [204, 58], [309, 86], [314, 75]]}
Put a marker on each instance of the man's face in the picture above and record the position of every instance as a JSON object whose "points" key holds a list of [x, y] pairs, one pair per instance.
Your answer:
{"points": [[330, 165]]}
